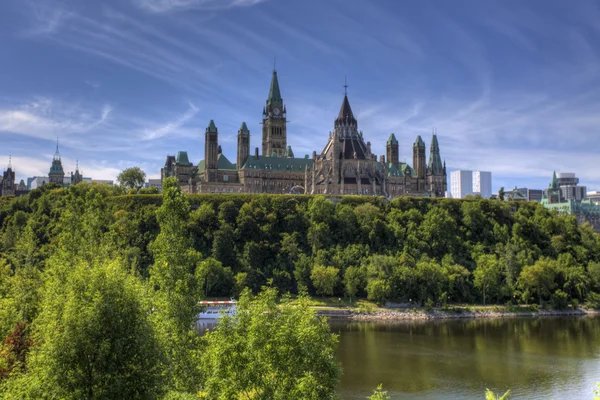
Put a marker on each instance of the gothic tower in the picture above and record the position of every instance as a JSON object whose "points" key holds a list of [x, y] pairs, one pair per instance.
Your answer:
{"points": [[211, 152], [243, 145], [8, 180], [391, 150], [274, 137], [56, 174], [436, 172], [419, 164], [76, 177]]}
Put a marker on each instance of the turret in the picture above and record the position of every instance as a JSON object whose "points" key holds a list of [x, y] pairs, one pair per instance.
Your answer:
{"points": [[211, 152], [419, 164], [243, 145], [391, 148]]}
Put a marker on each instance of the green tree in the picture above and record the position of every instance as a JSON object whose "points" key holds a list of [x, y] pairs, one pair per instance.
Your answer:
{"points": [[94, 340], [353, 281], [132, 178], [487, 275], [270, 351], [538, 278], [379, 394], [213, 278], [176, 290], [325, 279]]}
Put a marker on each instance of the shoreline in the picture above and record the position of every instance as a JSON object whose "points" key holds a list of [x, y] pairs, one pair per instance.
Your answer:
{"points": [[421, 315]]}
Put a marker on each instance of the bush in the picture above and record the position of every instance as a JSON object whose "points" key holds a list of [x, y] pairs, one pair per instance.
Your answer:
{"points": [[592, 301], [560, 300], [428, 305]]}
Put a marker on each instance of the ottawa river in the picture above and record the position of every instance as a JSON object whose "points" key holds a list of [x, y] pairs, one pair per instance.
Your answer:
{"points": [[536, 358]]}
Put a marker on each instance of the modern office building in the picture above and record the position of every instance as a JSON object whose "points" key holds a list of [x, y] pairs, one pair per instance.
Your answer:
{"points": [[482, 183], [461, 183], [568, 186]]}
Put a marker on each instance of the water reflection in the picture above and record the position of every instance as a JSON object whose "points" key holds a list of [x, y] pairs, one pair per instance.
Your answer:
{"points": [[535, 358]]}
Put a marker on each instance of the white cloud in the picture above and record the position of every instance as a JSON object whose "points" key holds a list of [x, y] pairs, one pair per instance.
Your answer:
{"points": [[171, 126], [161, 6], [46, 18]]}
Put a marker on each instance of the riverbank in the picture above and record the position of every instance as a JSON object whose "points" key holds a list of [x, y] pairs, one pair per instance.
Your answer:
{"points": [[420, 315]]}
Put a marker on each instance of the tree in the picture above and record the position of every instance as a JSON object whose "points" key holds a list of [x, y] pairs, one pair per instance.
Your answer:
{"points": [[487, 275], [325, 279], [501, 194], [353, 281], [94, 340], [213, 278], [538, 278], [270, 351], [132, 178]]}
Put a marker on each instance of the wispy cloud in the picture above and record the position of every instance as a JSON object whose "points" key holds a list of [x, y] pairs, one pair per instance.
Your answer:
{"points": [[171, 126], [46, 17], [45, 118], [161, 6]]}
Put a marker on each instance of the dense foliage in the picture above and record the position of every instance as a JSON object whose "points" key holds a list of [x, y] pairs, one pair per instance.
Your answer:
{"points": [[94, 282]]}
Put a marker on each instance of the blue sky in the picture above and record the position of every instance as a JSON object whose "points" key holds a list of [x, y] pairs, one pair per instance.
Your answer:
{"points": [[511, 86]]}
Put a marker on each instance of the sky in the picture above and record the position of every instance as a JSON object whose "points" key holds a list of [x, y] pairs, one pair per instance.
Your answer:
{"points": [[512, 87]]}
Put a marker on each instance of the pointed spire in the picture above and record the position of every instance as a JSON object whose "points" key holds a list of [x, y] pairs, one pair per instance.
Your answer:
{"points": [[57, 153], [244, 128], [345, 114], [9, 162], [392, 139], [211, 127], [435, 161], [345, 84], [274, 93], [419, 142], [554, 184]]}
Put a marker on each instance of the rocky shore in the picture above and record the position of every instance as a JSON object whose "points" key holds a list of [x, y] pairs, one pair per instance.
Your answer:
{"points": [[420, 315]]}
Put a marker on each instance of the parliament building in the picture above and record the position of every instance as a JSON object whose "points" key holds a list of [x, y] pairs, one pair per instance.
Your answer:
{"points": [[345, 166]]}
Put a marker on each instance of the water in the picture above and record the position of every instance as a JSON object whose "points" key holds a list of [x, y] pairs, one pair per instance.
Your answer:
{"points": [[537, 358]]}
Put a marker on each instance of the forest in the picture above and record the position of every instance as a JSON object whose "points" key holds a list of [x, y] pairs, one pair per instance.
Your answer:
{"points": [[99, 289]]}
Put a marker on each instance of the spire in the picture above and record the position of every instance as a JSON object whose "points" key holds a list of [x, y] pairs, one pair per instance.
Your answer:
{"points": [[211, 127], [77, 164], [554, 184], [9, 162], [345, 84], [57, 153], [274, 93], [392, 139], [244, 128], [419, 142], [345, 114], [435, 161]]}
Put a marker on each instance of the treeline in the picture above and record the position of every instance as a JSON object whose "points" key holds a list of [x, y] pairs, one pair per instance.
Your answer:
{"points": [[100, 303], [408, 249]]}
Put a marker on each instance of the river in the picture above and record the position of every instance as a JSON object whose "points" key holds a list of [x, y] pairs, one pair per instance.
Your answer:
{"points": [[536, 358]]}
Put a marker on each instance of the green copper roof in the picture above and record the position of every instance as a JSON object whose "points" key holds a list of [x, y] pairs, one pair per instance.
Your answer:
{"points": [[419, 142], [554, 183], [392, 139], [56, 168], [182, 158], [435, 161], [211, 127], [224, 163], [244, 128], [201, 166], [289, 152], [274, 93], [277, 164]]}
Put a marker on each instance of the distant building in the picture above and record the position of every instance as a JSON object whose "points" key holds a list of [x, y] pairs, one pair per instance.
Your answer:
{"points": [[8, 186], [568, 187], [157, 183], [583, 210], [524, 194], [594, 197], [482, 183], [103, 181], [461, 183]]}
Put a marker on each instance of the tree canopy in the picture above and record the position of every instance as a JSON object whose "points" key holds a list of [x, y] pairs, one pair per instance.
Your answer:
{"points": [[132, 178]]}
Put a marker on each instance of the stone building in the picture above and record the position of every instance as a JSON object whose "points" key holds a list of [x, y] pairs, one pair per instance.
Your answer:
{"points": [[8, 186], [346, 165]]}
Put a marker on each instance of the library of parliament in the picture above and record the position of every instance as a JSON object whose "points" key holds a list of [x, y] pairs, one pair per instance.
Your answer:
{"points": [[345, 166]]}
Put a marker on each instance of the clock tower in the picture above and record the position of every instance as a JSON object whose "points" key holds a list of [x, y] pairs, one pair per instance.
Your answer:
{"points": [[274, 137]]}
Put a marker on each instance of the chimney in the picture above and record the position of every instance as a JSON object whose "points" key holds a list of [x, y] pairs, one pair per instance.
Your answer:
{"points": [[382, 159], [256, 152]]}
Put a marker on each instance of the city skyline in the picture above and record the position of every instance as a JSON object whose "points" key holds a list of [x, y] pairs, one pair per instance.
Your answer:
{"points": [[125, 83]]}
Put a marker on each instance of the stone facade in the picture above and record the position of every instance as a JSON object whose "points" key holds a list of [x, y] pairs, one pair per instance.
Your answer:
{"points": [[346, 165]]}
